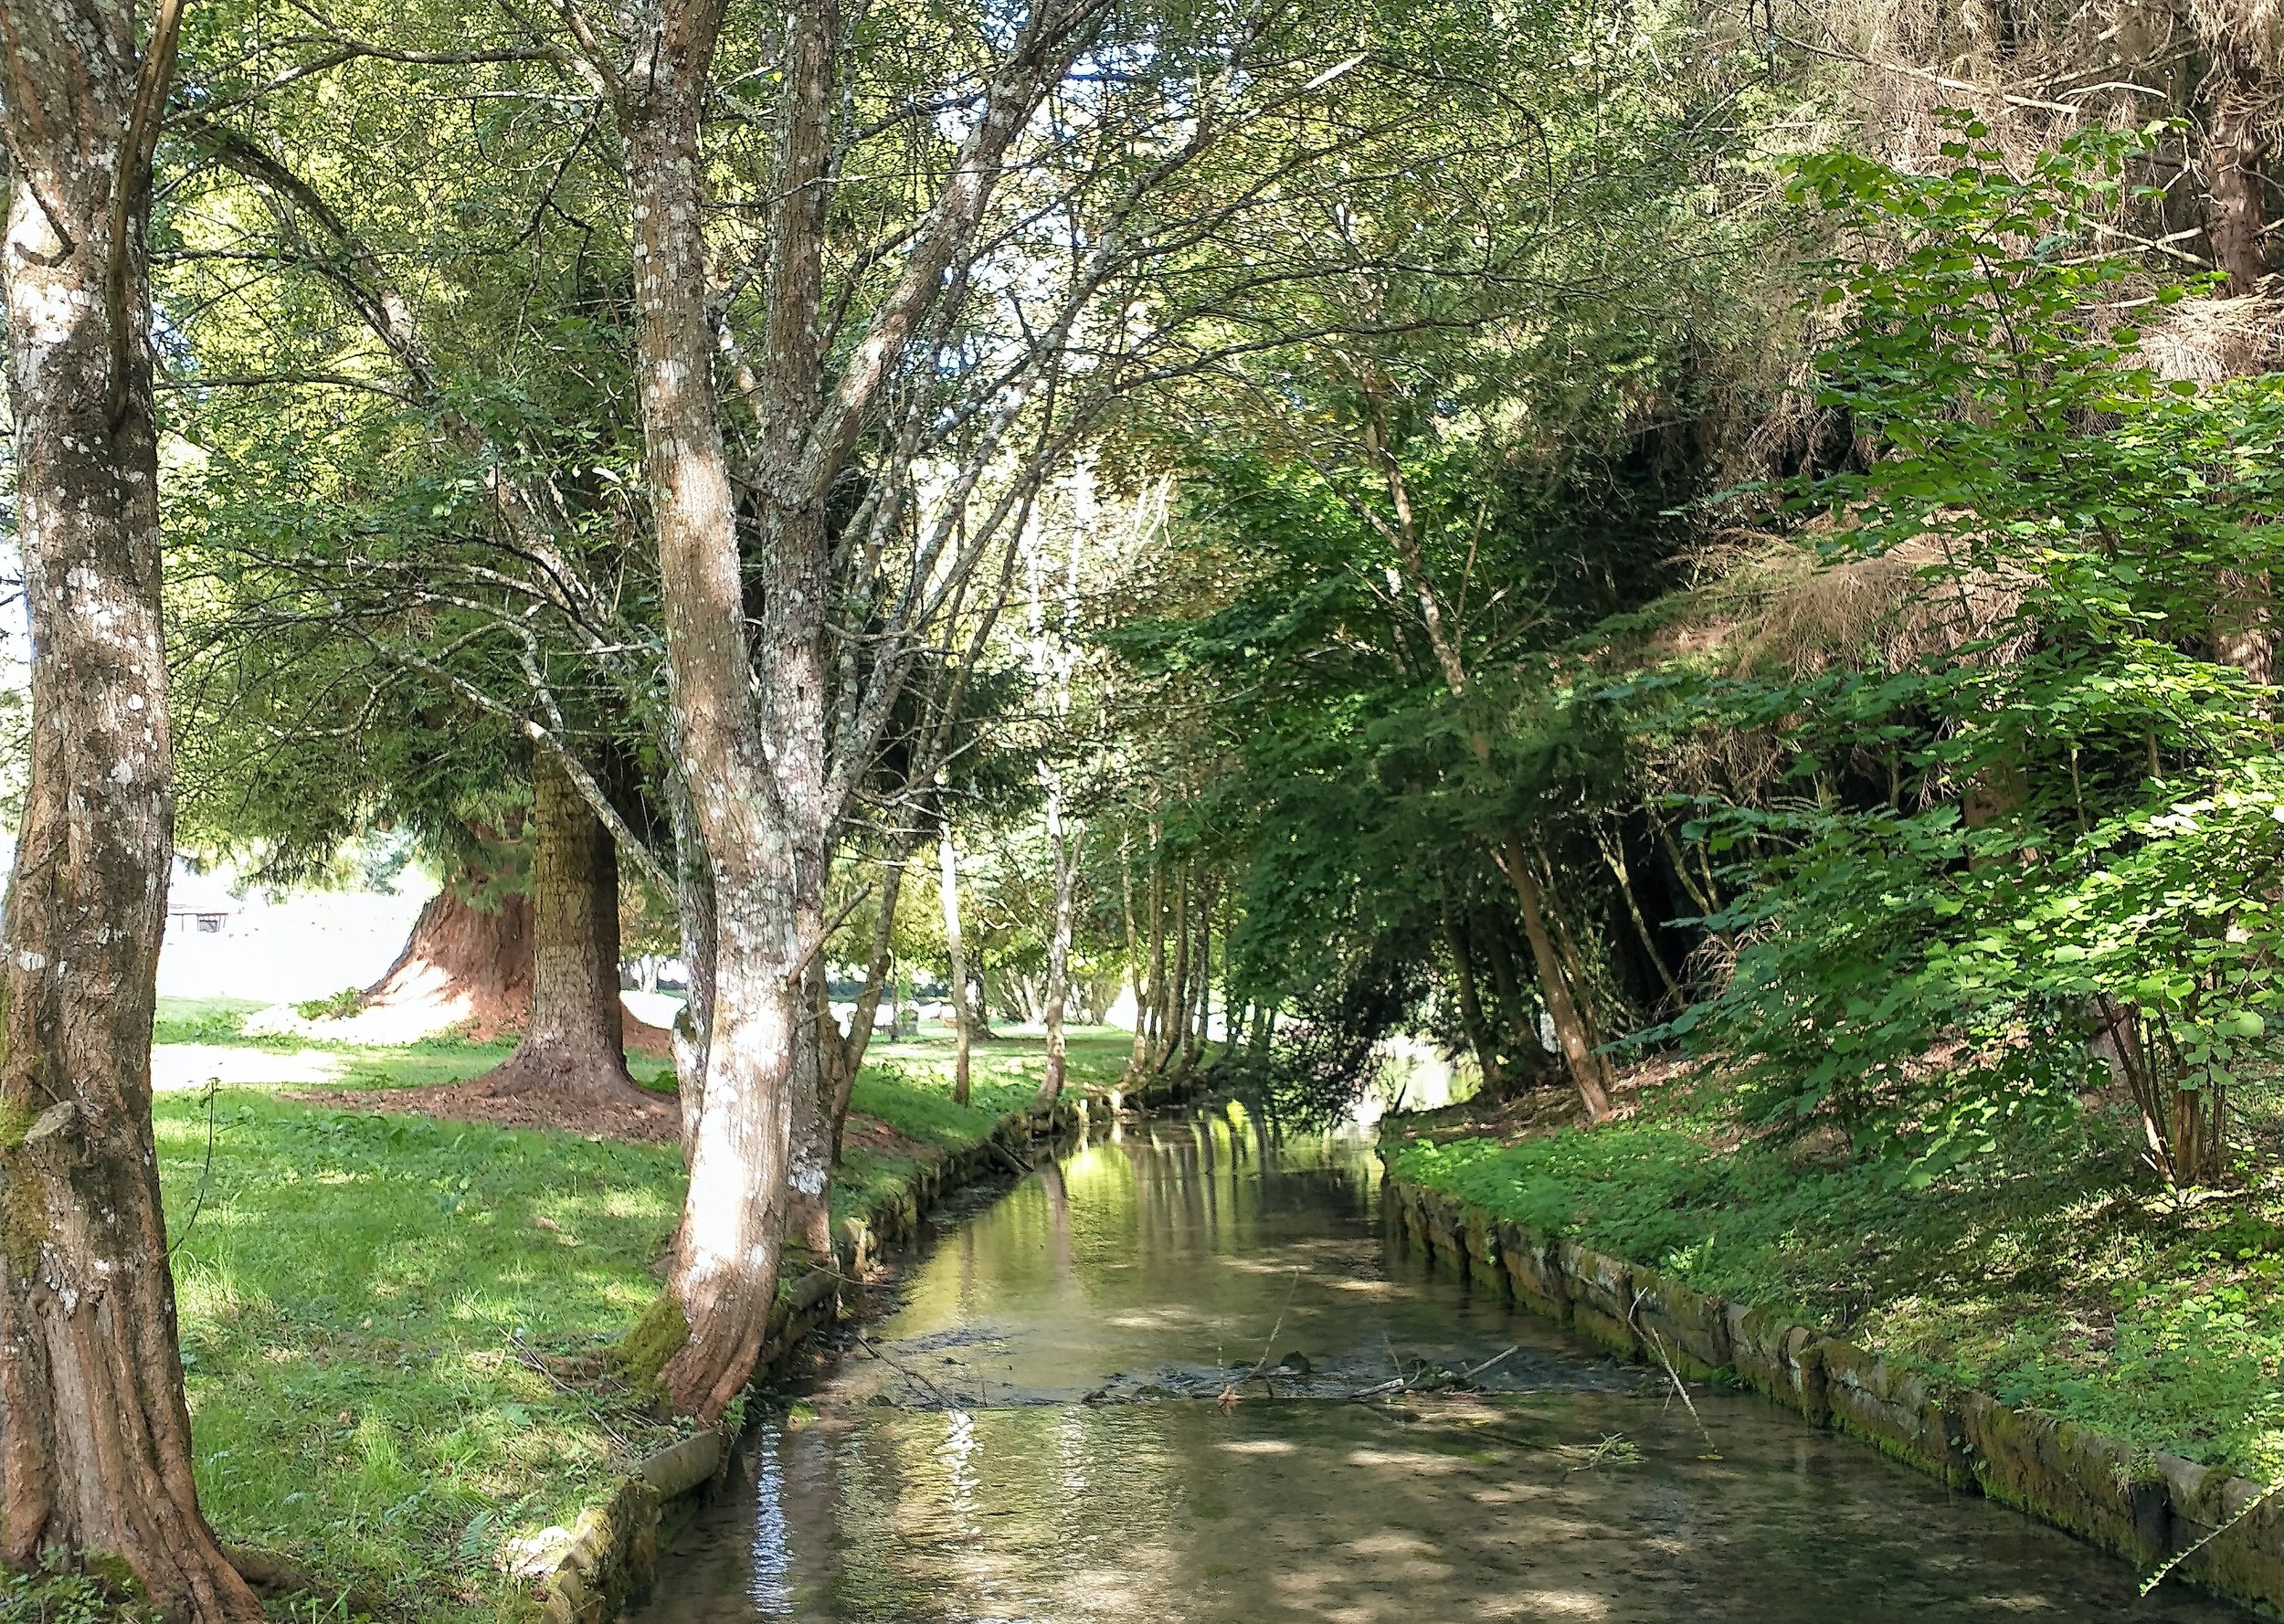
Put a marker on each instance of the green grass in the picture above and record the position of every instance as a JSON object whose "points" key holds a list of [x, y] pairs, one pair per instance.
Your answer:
{"points": [[908, 1085], [425, 1063], [354, 1289], [353, 1293], [2053, 1273]]}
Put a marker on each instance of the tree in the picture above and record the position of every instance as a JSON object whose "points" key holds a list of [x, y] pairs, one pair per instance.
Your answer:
{"points": [[95, 1459], [574, 1042]]}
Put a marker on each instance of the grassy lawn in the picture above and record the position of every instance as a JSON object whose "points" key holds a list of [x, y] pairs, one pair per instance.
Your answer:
{"points": [[356, 1294], [367, 1300], [2055, 1274]]}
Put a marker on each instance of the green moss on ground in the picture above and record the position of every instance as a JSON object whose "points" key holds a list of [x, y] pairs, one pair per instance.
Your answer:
{"points": [[2052, 1272], [369, 1304]]}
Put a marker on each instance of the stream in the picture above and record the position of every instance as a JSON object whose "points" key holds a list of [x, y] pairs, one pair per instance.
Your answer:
{"points": [[1036, 1434]]}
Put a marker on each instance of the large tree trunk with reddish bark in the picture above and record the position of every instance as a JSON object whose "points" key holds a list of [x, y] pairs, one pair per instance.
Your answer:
{"points": [[95, 1447], [467, 962], [574, 1037]]}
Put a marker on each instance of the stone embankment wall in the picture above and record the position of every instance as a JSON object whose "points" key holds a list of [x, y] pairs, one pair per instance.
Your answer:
{"points": [[613, 1555], [2144, 1505]]}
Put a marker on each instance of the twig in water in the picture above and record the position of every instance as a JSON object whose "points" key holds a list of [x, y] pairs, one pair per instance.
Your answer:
{"points": [[1229, 1392], [946, 1399], [1658, 1344], [1468, 1376], [2178, 1557]]}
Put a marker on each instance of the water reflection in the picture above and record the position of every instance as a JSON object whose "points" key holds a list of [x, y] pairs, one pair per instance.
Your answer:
{"points": [[1039, 1444]]}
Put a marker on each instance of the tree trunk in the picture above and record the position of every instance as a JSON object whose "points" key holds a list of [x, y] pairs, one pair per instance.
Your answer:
{"points": [[947, 872], [2235, 154], [1570, 1029], [465, 964], [694, 919], [1156, 1015], [1174, 1026], [1471, 1007], [1134, 975], [814, 1148], [1063, 847], [1201, 969], [95, 1445], [842, 1068], [746, 808], [574, 1040]]}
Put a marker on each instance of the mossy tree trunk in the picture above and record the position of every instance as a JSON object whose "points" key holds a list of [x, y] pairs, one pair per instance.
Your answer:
{"points": [[95, 1445]]}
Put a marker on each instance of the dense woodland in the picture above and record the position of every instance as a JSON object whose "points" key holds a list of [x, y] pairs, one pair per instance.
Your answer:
{"points": [[1616, 537]]}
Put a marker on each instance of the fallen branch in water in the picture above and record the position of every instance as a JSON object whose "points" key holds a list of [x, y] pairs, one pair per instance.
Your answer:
{"points": [[1713, 1450], [1403, 1382], [1229, 1394], [910, 1374]]}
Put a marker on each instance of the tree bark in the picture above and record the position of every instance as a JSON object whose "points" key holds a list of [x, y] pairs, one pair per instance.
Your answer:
{"points": [[95, 1445], [1135, 974], [575, 1039], [1174, 1026], [1570, 1029], [694, 925], [1155, 1016], [1201, 1016], [2235, 154], [1063, 847], [947, 872], [815, 1135], [1471, 1021], [469, 959], [723, 1274]]}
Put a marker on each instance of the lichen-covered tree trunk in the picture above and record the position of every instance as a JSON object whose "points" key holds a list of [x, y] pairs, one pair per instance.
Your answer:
{"points": [[95, 1447], [723, 1275], [694, 922], [574, 1037], [955, 951], [1063, 847]]}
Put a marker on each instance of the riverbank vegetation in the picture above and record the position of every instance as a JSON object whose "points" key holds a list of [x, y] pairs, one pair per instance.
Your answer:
{"points": [[1606, 538], [397, 1328]]}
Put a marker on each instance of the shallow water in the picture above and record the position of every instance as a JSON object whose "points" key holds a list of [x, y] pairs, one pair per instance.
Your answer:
{"points": [[1033, 1437]]}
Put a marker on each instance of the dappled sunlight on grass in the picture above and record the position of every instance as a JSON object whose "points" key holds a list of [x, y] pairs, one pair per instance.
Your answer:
{"points": [[354, 1293]]}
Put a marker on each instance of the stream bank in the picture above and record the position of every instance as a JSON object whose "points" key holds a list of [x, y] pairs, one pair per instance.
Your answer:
{"points": [[1127, 1387], [2224, 1533], [608, 1558]]}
